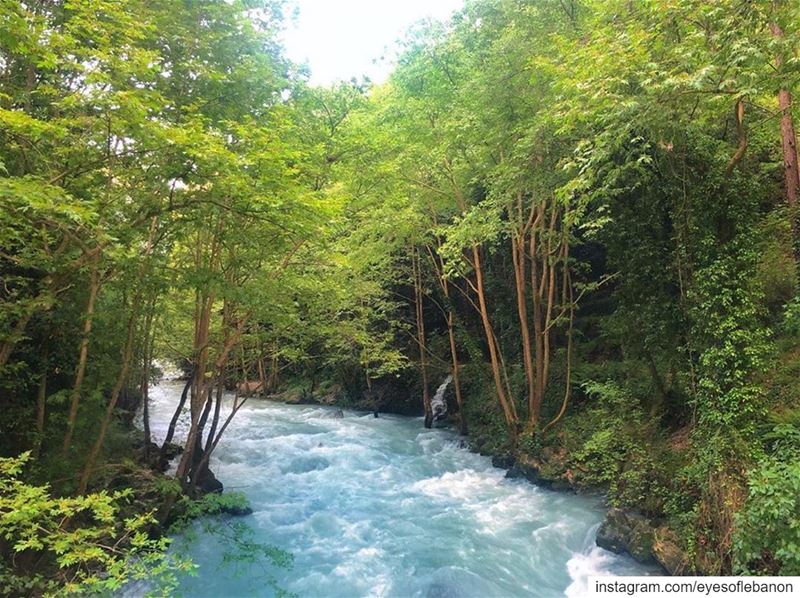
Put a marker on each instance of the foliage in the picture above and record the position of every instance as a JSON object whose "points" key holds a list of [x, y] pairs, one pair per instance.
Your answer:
{"points": [[82, 540], [768, 534], [578, 205]]}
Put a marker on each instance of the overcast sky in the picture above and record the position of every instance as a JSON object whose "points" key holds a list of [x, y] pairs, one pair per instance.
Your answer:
{"points": [[340, 39]]}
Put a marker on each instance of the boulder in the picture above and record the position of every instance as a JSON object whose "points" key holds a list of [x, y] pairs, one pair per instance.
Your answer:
{"points": [[237, 511], [172, 450], [149, 455], [208, 483], [627, 532], [531, 470], [503, 461], [167, 453]]}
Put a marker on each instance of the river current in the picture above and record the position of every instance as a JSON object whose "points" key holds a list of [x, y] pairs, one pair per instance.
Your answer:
{"points": [[383, 507]]}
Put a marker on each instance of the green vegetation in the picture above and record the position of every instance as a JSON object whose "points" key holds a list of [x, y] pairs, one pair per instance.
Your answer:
{"points": [[584, 210]]}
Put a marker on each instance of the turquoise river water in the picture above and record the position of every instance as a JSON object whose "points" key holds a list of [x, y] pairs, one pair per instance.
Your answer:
{"points": [[383, 507]]}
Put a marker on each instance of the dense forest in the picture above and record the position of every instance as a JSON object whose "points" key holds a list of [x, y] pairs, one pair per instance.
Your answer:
{"points": [[584, 211]]}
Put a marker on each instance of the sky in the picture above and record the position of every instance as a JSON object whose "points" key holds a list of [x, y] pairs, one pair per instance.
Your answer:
{"points": [[340, 39]]}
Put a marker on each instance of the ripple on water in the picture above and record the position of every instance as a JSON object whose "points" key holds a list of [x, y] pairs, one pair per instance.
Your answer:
{"points": [[382, 507]]}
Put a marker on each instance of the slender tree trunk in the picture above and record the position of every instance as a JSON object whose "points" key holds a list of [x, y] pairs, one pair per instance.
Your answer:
{"points": [[122, 377], [215, 420], [175, 416], [741, 133], [41, 398], [506, 403], [200, 389], [197, 454], [538, 328], [550, 264], [209, 450], [262, 377], [509, 411], [19, 329], [273, 374], [791, 165], [568, 297], [420, 316], [462, 417], [518, 258], [147, 356], [218, 368], [451, 335], [197, 470], [83, 354]]}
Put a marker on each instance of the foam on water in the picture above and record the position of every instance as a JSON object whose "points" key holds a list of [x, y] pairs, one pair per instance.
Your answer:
{"points": [[383, 507]]}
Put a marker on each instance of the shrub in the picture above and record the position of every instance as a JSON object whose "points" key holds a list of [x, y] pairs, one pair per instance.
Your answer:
{"points": [[768, 530], [61, 546]]}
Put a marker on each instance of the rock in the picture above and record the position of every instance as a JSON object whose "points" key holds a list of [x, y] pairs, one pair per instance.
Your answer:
{"points": [[669, 554], [531, 471], [208, 483], [503, 461], [237, 511], [172, 450], [626, 531], [149, 455], [338, 414]]}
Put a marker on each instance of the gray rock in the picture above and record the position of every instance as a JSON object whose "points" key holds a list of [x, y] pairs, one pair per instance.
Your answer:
{"points": [[534, 475], [237, 511], [503, 461], [627, 532]]}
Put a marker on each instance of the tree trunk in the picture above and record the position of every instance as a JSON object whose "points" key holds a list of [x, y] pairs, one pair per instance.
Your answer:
{"points": [[570, 299], [200, 390], [41, 398], [509, 411], [462, 418], [122, 377], [791, 167], [506, 403], [19, 329], [147, 356], [538, 329], [218, 368], [420, 316], [94, 287], [175, 416], [518, 258]]}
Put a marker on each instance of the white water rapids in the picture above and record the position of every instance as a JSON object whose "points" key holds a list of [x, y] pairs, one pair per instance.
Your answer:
{"points": [[383, 507]]}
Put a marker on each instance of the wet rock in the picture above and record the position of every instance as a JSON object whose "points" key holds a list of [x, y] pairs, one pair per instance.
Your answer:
{"points": [[532, 471], [165, 454], [237, 510], [338, 414], [171, 450], [627, 532], [503, 461], [149, 455], [669, 554], [208, 483]]}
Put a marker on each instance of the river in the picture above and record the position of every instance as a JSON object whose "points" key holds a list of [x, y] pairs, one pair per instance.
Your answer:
{"points": [[383, 507]]}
